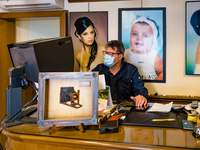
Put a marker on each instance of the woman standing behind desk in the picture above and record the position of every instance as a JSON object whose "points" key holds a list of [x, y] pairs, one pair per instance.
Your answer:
{"points": [[91, 53]]}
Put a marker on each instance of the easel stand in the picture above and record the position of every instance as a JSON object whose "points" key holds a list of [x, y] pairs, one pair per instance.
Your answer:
{"points": [[81, 128]]}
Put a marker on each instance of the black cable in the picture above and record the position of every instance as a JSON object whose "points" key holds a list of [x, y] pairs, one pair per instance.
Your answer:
{"points": [[18, 112], [15, 116], [12, 118], [2, 119], [1, 147]]}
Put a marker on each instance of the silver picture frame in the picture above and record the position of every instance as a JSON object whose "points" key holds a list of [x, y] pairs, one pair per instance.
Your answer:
{"points": [[50, 109]]}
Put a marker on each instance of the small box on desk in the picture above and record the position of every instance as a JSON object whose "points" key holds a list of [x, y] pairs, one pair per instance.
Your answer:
{"points": [[108, 126], [68, 99]]}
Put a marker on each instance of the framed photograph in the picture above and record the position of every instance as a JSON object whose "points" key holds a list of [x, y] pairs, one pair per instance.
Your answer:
{"points": [[68, 99], [192, 37], [89, 32], [143, 33]]}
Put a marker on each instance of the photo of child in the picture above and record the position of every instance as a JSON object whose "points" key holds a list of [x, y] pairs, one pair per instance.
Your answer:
{"points": [[143, 34]]}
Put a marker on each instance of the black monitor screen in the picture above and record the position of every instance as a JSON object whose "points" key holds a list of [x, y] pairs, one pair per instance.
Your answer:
{"points": [[43, 55]]}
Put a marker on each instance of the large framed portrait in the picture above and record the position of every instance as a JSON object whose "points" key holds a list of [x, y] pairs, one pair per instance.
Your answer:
{"points": [[192, 47], [89, 32], [143, 33]]}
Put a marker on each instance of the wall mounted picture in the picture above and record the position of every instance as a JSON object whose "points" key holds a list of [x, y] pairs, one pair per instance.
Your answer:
{"points": [[143, 33], [89, 32], [192, 38]]}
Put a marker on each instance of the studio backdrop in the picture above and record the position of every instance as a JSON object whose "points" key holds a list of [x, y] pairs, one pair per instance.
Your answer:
{"points": [[143, 33]]}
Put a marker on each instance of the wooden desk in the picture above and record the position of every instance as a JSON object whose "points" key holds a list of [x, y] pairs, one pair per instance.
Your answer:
{"points": [[31, 137]]}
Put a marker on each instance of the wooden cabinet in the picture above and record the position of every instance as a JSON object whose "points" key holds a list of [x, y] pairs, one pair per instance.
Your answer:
{"points": [[8, 36], [31, 137]]}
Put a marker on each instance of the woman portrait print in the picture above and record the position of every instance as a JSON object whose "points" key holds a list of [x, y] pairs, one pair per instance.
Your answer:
{"points": [[90, 53], [195, 22], [192, 38]]}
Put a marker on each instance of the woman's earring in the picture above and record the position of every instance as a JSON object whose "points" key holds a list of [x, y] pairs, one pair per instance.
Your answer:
{"points": [[79, 39]]}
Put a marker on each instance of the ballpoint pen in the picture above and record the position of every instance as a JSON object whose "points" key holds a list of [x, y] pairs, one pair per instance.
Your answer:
{"points": [[163, 120]]}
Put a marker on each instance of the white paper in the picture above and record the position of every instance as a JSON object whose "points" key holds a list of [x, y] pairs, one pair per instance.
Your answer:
{"points": [[102, 82], [157, 107], [188, 107], [102, 104]]}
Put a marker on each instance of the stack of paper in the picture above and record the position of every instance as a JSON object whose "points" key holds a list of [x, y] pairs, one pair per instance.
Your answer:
{"points": [[157, 107]]}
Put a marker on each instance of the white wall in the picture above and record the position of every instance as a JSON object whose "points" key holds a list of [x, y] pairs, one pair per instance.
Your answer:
{"points": [[177, 83], [34, 28]]}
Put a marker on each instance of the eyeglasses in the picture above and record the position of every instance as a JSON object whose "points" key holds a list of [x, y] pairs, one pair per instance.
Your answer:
{"points": [[110, 53]]}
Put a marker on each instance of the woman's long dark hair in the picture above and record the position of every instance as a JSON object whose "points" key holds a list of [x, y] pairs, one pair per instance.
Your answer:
{"points": [[195, 21], [81, 25]]}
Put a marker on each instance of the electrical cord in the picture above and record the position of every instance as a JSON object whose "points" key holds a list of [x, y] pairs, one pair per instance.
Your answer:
{"points": [[1, 147], [13, 117], [3, 118], [22, 109]]}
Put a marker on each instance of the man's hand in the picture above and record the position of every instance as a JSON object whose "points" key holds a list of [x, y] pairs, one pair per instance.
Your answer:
{"points": [[139, 100]]}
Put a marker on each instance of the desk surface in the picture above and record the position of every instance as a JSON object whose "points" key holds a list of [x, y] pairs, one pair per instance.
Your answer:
{"points": [[29, 136]]}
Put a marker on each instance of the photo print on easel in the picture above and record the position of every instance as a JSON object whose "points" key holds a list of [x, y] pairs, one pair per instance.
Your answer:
{"points": [[70, 97]]}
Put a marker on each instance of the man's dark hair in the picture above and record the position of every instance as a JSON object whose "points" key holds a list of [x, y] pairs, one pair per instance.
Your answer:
{"points": [[115, 43]]}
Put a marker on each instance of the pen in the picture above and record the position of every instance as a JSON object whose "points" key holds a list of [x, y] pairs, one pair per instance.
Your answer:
{"points": [[163, 119]]}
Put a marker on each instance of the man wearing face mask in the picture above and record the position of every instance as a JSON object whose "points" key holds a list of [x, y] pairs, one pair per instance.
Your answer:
{"points": [[122, 77]]}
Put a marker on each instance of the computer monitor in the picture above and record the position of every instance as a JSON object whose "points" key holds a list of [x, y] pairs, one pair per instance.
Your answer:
{"points": [[43, 55]]}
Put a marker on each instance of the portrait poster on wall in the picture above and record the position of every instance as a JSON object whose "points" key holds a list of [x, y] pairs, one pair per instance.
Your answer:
{"points": [[89, 32], [192, 38], [143, 33]]}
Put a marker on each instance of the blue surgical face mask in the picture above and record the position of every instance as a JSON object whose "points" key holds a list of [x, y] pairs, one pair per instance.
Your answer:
{"points": [[108, 60]]}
